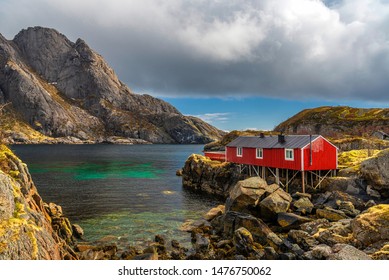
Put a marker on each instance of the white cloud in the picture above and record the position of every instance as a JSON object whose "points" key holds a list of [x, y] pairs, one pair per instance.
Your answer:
{"points": [[214, 117], [279, 48]]}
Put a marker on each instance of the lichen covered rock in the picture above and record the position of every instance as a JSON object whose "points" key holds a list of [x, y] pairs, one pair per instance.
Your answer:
{"points": [[26, 231], [372, 225]]}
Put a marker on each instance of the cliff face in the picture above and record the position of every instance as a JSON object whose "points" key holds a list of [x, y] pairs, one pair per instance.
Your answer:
{"points": [[26, 227], [336, 121], [61, 89]]}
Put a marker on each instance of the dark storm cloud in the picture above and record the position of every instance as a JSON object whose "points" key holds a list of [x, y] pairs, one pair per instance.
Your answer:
{"points": [[278, 48]]}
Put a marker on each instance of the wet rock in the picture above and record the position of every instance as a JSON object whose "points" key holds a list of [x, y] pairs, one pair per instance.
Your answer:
{"points": [[179, 172], [214, 212], [190, 225], [201, 243], [78, 232], [347, 252], [372, 225], [331, 214], [270, 254], [291, 220]]}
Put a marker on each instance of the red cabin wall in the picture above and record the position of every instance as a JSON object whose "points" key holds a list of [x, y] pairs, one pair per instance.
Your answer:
{"points": [[271, 158], [324, 155]]}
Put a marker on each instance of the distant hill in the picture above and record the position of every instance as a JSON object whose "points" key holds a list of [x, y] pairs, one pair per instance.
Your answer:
{"points": [[56, 88], [337, 122]]}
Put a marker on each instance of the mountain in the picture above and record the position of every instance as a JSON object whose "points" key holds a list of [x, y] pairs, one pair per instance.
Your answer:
{"points": [[337, 121], [57, 88]]}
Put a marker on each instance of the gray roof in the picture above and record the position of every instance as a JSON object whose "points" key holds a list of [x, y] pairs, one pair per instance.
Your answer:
{"points": [[269, 142]]}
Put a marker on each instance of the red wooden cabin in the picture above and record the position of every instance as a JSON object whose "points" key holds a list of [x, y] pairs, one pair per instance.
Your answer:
{"points": [[286, 152]]}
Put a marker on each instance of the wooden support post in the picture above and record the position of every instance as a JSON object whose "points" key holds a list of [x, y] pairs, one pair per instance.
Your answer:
{"points": [[311, 180], [250, 170], [287, 181], [303, 181], [277, 176]]}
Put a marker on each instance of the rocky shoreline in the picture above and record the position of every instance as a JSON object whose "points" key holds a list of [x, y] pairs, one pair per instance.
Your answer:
{"points": [[259, 220]]}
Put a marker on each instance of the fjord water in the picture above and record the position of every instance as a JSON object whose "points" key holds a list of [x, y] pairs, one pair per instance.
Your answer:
{"points": [[127, 193]]}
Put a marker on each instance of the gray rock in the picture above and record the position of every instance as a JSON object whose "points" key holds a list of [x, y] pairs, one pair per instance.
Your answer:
{"points": [[347, 252], [376, 171]]}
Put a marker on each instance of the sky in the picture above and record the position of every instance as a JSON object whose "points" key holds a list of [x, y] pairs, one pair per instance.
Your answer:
{"points": [[237, 64]]}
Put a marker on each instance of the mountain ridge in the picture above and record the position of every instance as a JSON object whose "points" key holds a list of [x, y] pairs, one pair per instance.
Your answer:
{"points": [[64, 89]]}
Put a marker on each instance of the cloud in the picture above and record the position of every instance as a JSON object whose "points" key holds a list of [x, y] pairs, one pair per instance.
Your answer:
{"points": [[308, 49], [214, 117]]}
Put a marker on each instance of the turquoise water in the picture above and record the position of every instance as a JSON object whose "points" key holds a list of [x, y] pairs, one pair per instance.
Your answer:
{"points": [[125, 193]]}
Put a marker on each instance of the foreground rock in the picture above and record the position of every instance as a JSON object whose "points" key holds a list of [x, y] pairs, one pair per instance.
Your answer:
{"points": [[27, 229]]}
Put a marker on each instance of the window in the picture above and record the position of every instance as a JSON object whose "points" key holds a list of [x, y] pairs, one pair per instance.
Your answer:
{"points": [[239, 151], [259, 153], [289, 154]]}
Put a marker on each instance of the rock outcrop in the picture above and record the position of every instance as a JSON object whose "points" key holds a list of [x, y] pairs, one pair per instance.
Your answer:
{"points": [[336, 122], [213, 177], [58, 88], [27, 230], [375, 171]]}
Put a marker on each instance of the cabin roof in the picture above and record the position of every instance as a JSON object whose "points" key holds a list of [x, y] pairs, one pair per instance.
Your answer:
{"points": [[270, 142]]}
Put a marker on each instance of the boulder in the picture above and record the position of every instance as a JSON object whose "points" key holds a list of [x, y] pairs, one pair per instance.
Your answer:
{"points": [[260, 231], [243, 242], [277, 202], [245, 195], [291, 220], [303, 205], [201, 243], [331, 214], [372, 225], [348, 208], [321, 252], [303, 239], [214, 212], [347, 252], [78, 232], [336, 232], [375, 171]]}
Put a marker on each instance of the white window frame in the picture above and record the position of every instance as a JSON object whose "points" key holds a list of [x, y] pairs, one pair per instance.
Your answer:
{"points": [[258, 153], [292, 154], [239, 151]]}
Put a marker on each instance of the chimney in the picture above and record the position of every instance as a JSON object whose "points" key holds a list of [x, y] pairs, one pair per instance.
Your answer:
{"points": [[281, 138], [261, 135]]}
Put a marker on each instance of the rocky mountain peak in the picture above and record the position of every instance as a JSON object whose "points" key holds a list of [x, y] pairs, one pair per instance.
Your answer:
{"points": [[65, 89]]}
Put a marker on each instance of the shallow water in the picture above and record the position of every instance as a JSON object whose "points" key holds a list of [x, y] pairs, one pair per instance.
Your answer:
{"points": [[126, 192]]}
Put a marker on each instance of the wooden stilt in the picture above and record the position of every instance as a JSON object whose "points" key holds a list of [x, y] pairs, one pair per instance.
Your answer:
{"points": [[303, 181], [287, 181], [277, 176]]}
